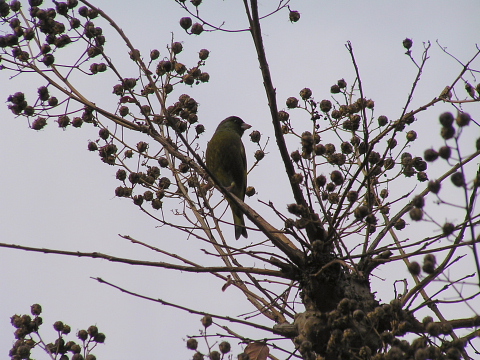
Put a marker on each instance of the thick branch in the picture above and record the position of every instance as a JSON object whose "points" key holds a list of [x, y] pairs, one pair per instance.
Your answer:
{"points": [[256, 32]]}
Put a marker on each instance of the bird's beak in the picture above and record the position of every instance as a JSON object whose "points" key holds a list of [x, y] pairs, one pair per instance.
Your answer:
{"points": [[245, 126]]}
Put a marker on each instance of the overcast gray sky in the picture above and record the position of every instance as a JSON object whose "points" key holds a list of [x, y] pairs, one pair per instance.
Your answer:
{"points": [[58, 195]]}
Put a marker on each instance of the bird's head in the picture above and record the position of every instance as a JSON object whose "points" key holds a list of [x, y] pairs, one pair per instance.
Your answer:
{"points": [[234, 123]]}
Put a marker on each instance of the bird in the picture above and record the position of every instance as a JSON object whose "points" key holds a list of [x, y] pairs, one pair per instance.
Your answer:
{"points": [[225, 158]]}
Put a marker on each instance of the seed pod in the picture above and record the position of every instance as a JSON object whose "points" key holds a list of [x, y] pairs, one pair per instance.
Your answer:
{"points": [[183, 167], [325, 105], [104, 133], [342, 83], [142, 146], [39, 123], [186, 22], [374, 157], [48, 59], [337, 159], [411, 135], [384, 193], [94, 51], [58, 325], [419, 164], [192, 344], [416, 214], [448, 228], [446, 119], [297, 178], [382, 120], [392, 143], [203, 54], [414, 268], [82, 335], [180, 68], [305, 93], [53, 101], [164, 183], [295, 209], [283, 116], [157, 204], [335, 114], [224, 347], [129, 83], [371, 219], [407, 43], [250, 191], [36, 309], [346, 148], [188, 79], [329, 149], [389, 163], [255, 136], [335, 89], [320, 150], [447, 132], [418, 201], [214, 355], [463, 119], [429, 262], [92, 146], [408, 171], [204, 77], [294, 16], [422, 176], [197, 29], [163, 67], [123, 111], [444, 152], [434, 186], [259, 155], [458, 179], [118, 90], [337, 177], [177, 47], [154, 54], [320, 181], [295, 156], [138, 200], [430, 155], [360, 212], [63, 121], [207, 321], [163, 162], [199, 129], [292, 102], [400, 224], [352, 196], [330, 187], [146, 110]]}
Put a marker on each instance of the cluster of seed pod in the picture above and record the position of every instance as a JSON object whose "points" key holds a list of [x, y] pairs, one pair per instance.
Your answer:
{"points": [[377, 158], [46, 27], [56, 24], [224, 347], [26, 325], [347, 332]]}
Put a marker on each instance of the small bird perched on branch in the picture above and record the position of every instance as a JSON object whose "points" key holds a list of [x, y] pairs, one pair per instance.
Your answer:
{"points": [[226, 159]]}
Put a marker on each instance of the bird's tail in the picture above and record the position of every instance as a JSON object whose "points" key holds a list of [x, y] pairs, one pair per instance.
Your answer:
{"points": [[240, 228]]}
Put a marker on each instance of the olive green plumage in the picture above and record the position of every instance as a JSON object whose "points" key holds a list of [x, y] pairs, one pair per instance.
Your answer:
{"points": [[225, 158]]}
